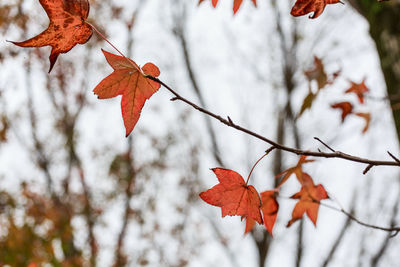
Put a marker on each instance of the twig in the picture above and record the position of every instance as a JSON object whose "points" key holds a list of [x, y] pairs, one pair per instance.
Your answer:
{"points": [[393, 157], [353, 218], [319, 140]]}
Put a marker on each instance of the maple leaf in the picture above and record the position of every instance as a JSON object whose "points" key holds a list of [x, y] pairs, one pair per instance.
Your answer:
{"points": [[67, 27], [233, 196], [303, 7], [359, 89], [307, 103], [317, 73], [297, 170], [269, 208], [129, 81], [346, 107], [367, 118], [236, 4], [309, 197]]}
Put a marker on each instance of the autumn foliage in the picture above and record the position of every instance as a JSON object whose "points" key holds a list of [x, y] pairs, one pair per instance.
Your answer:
{"points": [[235, 197], [135, 85], [66, 29], [128, 80]]}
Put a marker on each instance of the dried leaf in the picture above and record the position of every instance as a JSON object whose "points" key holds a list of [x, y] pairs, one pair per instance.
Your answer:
{"points": [[66, 29], [303, 7]]}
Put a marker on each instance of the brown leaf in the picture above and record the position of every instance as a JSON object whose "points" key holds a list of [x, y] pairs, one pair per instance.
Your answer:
{"points": [[317, 73]]}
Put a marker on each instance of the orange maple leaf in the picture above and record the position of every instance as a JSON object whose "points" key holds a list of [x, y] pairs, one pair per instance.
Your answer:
{"points": [[269, 208], [359, 89], [346, 107], [233, 196], [297, 170], [129, 81], [236, 4], [303, 7], [367, 118], [67, 27], [309, 197]]}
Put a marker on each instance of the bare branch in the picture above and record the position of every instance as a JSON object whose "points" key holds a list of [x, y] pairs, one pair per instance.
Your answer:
{"points": [[336, 154]]}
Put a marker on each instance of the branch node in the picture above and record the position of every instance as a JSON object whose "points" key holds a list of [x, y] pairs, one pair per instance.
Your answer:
{"points": [[319, 140], [269, 150], [394, 234], [393, 157], [230, 121], [174, 99], [368, 168]]}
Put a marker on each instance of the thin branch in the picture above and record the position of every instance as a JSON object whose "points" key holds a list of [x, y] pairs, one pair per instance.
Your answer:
{"points": [[319, 140], [394, 229], [339, 238], [230, 123], [353, 218]]}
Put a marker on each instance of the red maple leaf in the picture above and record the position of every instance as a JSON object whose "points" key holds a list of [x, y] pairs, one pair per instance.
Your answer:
{"points": [[309, 197], [269, 209], [67, 27], [359, 89], [346, 107], [303, 7], [236, 4], [233, 196], [297, 170], [129, 81]]}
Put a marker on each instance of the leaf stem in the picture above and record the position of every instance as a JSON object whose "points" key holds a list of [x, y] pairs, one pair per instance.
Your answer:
{"points": [[105, 39], [255, 164]]}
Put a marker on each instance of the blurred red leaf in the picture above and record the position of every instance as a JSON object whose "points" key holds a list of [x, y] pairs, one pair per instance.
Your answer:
{"points": [[250, 223], [359, 89], [129, 81], [297, 170], [309, 197], [66, 29], [233, 196], [303, 7], [236, 4], [346, 107], [269, 209], [367, 118]]}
